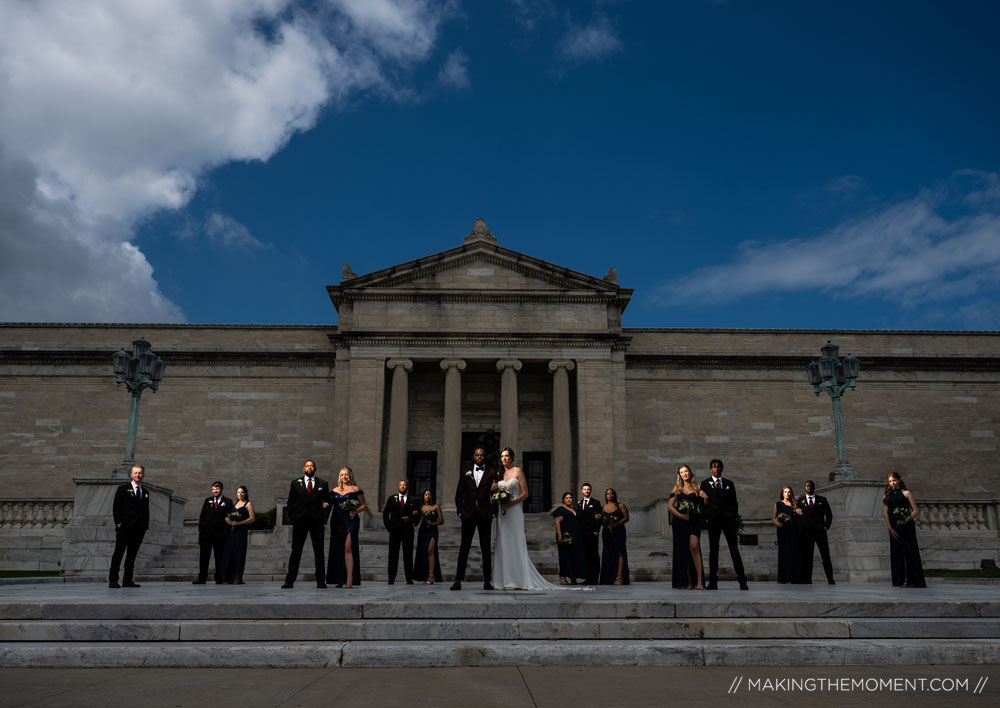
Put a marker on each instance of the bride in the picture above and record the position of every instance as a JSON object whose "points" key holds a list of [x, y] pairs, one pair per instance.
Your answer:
{"points": [[512, 570]]}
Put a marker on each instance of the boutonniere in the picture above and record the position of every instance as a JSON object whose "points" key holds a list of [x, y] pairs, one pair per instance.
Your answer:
{"points": [[300, 482], [469, 473], [131, 491]]}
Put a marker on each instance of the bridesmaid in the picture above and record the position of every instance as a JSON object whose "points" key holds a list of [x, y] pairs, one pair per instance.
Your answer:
{"points": [[614, 560], [687, 566], [344, 566], [569, 541], [900, 511], [784, 515], [234, 557], [426, 566]]}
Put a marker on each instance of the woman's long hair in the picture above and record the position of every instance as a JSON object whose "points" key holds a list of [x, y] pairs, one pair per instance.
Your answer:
{"points": [[888, 488]]}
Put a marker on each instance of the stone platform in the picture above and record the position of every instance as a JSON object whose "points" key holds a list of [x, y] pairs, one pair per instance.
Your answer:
{"points": [[85, 624]]}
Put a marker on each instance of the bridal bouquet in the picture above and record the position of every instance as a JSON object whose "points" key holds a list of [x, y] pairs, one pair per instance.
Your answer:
{"points": [[685, 506], [351, 505], [501, 497], [783, 518], [902, 514]]}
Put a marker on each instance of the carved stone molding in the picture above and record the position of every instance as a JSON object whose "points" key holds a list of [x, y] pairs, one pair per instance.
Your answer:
{"points": [[514, 364], [449, 363], [480, 232], [556, 364], [407, 364]]}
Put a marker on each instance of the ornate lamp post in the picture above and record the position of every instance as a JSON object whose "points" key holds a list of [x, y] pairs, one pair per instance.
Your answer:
{"points": [[834, 375], [139, 370]]}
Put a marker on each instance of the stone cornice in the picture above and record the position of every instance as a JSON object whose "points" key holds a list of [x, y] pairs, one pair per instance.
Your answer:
{"points": [[453, 296], [797, 363], [510, 340], [89, 358]]}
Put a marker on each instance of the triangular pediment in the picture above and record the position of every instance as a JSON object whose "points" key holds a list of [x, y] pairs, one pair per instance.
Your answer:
{"points": [[479, 265]]}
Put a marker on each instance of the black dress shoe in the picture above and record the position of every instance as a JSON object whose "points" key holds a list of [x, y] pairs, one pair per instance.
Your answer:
{"points": [[457, 585], [409, 582], [487, 585], [131, 585], [391, 582], [287, 586], [114, 584], [321, 585], [832, 582], [340, 585], [712, 586], [219, 582], [743, 585], [198, 582]]}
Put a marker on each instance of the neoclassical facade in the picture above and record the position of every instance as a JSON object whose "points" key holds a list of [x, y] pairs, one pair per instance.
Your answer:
{"points": [[430, 355]]}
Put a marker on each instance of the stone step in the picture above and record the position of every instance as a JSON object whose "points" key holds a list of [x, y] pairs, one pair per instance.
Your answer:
{"points": [[466, 653], [420, 630]]}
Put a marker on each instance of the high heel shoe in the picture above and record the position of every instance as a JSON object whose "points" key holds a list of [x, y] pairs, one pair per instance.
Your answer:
{"points": [[563, 581], [618, 579]]}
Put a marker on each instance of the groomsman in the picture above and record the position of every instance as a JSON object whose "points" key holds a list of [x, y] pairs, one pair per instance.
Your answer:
{"points": [[131, 515], [308, 510], [212, 532], [589, 510], [722, 517], [476, 510], [813, 524], [400, 514]]}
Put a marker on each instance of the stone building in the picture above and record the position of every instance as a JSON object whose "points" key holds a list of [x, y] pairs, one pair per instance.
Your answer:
{"points": [[429, 355]]}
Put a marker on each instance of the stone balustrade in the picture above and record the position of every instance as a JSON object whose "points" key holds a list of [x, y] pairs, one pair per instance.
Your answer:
{"points": [[944, 515], [35, 513]]}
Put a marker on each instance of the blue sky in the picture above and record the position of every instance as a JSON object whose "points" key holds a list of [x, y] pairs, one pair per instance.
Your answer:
{"points": [[742, 164]]}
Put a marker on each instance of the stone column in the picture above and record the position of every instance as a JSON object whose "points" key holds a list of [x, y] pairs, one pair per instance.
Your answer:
{"points": [[562, 438], [452, 456], [508, 404], [399, 412]]}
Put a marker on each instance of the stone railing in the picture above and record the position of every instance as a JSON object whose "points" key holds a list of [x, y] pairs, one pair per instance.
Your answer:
{"points": [[35, 513], [941, 515]]}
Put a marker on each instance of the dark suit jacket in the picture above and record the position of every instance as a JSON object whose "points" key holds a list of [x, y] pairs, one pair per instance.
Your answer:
{"points": [[212, 521], [471, 500], [586, 513], [394, 511], [305, 508], [817, 518], [722, 505], [129, 512]]}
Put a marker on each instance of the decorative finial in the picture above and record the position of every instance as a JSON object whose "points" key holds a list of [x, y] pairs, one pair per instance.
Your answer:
{"points": [[480, 232], [612, 276], [348, 273]]}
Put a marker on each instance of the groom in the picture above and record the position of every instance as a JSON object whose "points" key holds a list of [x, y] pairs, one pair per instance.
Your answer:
{"points": [[472, 500]]}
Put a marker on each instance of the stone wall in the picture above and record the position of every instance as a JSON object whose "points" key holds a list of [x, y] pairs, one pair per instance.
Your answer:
{"points": [[244, 405], [927, 406]]}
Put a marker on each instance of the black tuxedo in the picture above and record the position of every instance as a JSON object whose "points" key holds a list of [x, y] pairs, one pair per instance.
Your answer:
{"points": [[591, 532], [308, 517], [401, 532], [476, 511], [212, 532], [813, 525], [722, 517], [131, 515]]}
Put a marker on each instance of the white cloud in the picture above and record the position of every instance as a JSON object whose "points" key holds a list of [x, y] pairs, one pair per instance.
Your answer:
{"points": [[120, 106], [914, 252], [588, 43], [455, 72], [59, 264], [230, 234]]}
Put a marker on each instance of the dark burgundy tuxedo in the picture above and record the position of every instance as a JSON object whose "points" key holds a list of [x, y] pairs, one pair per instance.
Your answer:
{"points": [[476, 511]]}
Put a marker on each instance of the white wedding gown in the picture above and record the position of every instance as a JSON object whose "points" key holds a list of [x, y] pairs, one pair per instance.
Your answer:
{"points": [[512, 569]]}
